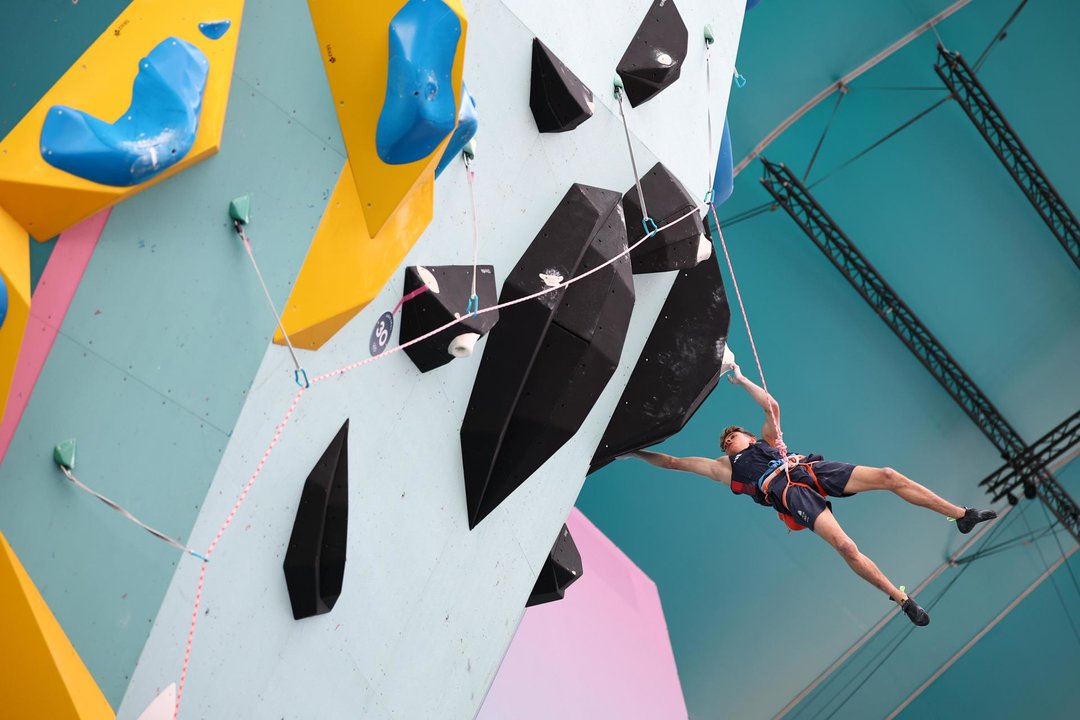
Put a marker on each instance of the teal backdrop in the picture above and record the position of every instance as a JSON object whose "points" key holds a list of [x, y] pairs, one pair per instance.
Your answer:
{"points": [[755, 614]]}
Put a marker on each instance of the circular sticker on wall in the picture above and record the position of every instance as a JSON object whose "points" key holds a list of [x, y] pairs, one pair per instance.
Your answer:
{"points": [[380, 334]]}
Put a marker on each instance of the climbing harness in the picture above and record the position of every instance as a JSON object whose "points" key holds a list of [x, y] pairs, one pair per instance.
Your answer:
{"points": [[789, 464]]}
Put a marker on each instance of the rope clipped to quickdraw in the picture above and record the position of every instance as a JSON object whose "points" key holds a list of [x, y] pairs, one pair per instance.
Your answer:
{"points": [[647, 222], [468, 154], [239, 210], [64, 457]]}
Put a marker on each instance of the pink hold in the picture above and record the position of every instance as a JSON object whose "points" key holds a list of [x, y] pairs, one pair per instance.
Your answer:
{"points": [[48, 306], [603, 650]]}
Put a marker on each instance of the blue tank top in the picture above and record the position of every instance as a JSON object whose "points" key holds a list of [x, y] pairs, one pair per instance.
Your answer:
{"points": [[748, 466]]}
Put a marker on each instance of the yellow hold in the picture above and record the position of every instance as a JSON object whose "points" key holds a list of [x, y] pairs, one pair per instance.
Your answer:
{"points": [[41, 675], [346, 266], [15, 267], [45, 200], [354, 40]]}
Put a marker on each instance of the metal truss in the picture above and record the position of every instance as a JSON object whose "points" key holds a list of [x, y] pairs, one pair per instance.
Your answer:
{"points": [[793, 196], [1040, 455], [973, 98]]}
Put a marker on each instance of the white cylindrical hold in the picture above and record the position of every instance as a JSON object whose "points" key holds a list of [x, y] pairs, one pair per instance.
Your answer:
{"points": [[463, 344], [428, 278], [704, 249]]}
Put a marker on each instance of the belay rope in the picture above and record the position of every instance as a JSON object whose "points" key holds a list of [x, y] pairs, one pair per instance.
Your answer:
{"points": [[727, 256]]}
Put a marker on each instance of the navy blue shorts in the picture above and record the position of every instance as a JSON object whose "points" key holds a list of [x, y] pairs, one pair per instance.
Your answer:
{"points": [[804, 504]]}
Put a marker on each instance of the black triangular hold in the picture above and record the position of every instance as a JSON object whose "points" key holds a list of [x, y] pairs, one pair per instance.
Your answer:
{"points": [[678, 368], [559, 101], [654, 58], [315, 561], [560, 570], [549, 358], [430, 310], [680, 246]]}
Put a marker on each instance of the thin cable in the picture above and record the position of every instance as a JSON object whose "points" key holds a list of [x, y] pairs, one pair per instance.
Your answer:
{"points": [[118, 508], [633, 163], [1057, 590], [881, 141], [708, 117], [998, 36], [473, 298], [821, 140], [747, 214], [270, 301]]}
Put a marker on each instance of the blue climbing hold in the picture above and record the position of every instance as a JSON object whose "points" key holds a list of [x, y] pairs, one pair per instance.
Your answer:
{"points": [[156, 132], [3, 301], [420, 109], [215, 30], [467, 123], [724, 180]]}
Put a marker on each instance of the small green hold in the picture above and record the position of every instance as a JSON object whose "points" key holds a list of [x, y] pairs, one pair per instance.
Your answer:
{"points": [[470, 149], [240, 209], [709, 39], [618, 82], [64, 454]]}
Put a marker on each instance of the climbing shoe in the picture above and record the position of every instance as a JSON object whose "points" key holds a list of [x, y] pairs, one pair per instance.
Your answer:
{"points": [[973, 517], [915, 612]]}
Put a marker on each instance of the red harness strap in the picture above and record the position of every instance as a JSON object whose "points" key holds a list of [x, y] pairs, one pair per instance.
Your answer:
{"points": [[788, 518]]}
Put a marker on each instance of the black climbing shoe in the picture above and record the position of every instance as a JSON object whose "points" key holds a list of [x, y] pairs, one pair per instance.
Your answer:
{"points": [[915, 613], [973, 517]]}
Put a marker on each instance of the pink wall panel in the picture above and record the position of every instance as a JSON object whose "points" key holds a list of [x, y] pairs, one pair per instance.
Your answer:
{"points": [[48, 305], [602, 652]]}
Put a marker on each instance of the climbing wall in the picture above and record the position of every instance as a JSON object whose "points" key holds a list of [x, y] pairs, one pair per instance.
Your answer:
{"points": [[187, 413]]}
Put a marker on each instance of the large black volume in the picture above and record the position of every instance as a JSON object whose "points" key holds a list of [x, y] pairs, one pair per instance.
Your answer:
{"points": [[654, 58], [561, 569], [441, 304], [684, 244], [549, 358], [678, 368], [315, 561], [559, 101]]}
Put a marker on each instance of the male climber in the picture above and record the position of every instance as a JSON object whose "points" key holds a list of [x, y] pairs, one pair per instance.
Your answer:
{"points": [[797, 490]]}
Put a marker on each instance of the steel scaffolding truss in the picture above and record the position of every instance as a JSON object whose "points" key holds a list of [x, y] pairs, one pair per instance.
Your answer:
{"points": [[973, 98], [793, 196], [1040, 455]]}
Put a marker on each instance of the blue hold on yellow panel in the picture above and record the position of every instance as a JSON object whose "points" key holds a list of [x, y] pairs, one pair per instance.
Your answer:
{"points": [[156, 132], [467, 123], [215, 30], [420, 109], [3, 301]]}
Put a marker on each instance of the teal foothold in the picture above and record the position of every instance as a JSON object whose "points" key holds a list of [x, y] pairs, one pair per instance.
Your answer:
{"points": [[470, 149], [618, 82], [709, 39], [64, 454], [240, 209]]}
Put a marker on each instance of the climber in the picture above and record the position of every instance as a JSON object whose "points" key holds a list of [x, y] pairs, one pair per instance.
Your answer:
{"points": [[796, 487]]}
